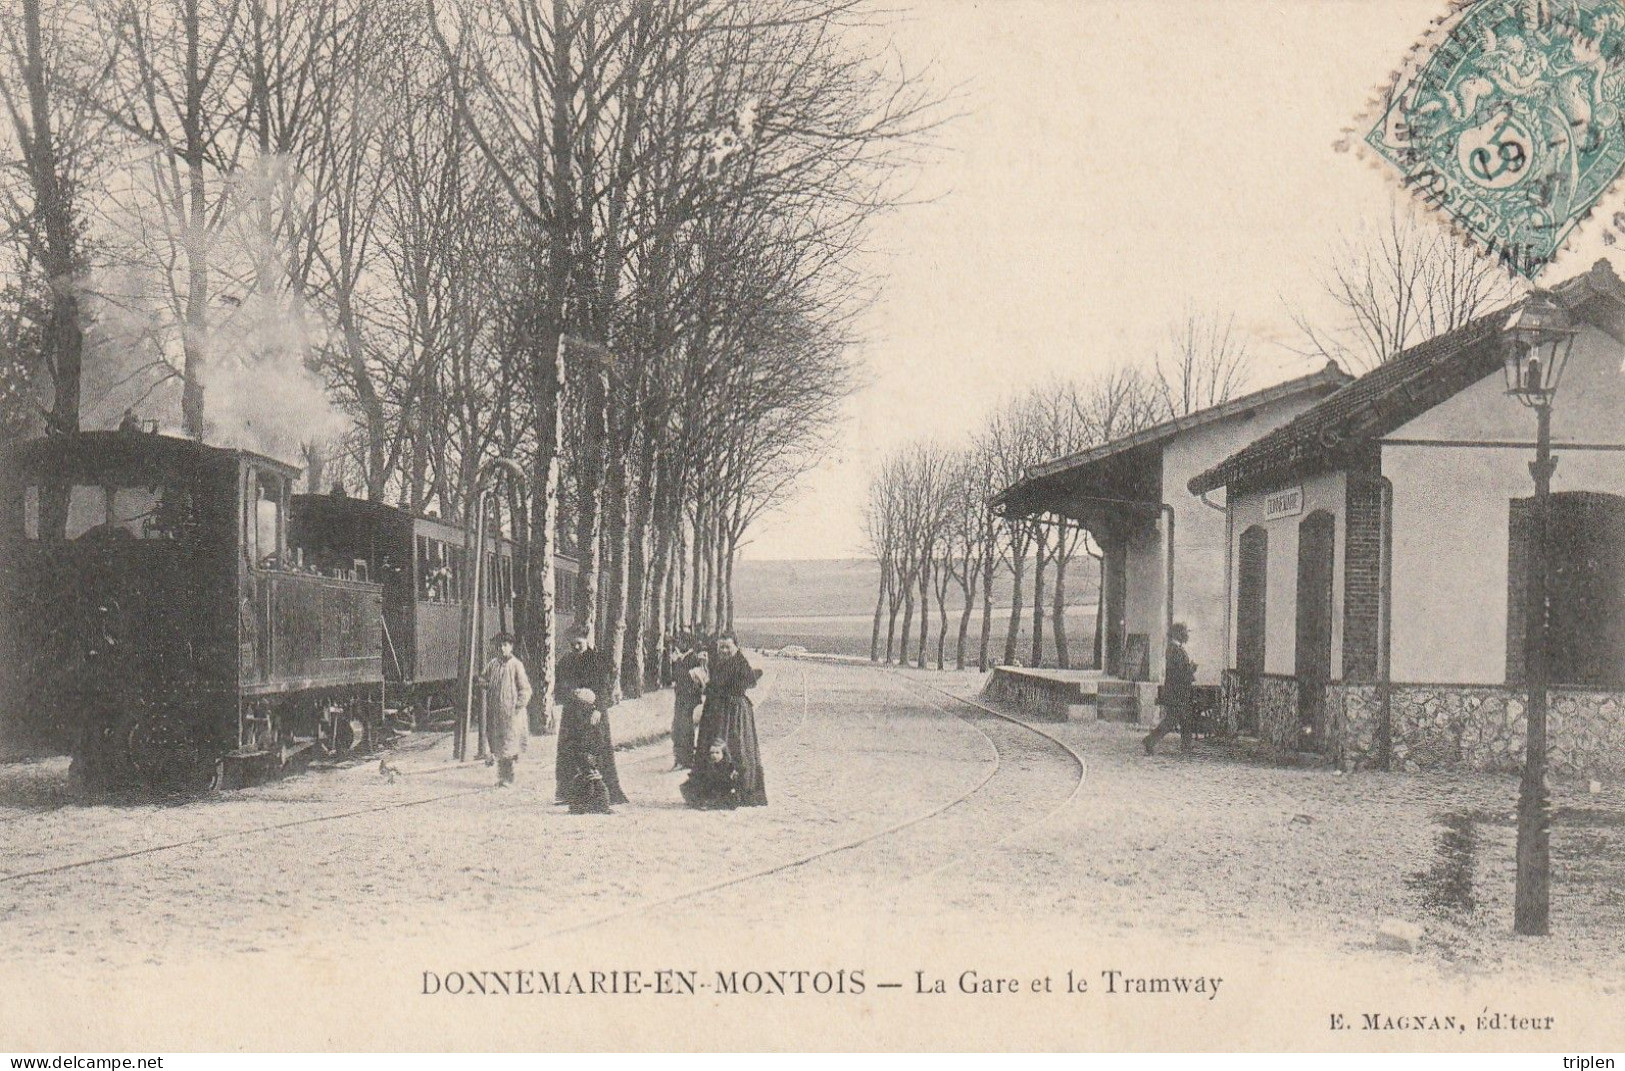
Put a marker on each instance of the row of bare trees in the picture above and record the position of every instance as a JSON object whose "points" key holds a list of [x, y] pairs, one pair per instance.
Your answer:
{"points": [[928, 520], [933, 533], [931, 526], [615, 240]]}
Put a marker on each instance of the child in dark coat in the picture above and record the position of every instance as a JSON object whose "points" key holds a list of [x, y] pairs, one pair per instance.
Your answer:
{"points": [[714, 786]]}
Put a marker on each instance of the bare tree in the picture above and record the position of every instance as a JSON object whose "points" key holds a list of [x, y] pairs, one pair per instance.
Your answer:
{"points": [[1205, 363], [177, 90], [1395, 284], [45, 53]]}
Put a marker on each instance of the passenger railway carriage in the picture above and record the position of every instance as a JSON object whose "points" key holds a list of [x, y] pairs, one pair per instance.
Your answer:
{"points": [[427, 578], [170, 610]]}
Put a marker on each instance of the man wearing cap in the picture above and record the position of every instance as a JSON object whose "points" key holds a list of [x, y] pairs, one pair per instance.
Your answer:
{"points": [[507, 697], [586, 681]]}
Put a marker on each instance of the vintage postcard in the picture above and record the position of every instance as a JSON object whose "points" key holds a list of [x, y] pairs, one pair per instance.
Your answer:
{"points": [[705, 525]]}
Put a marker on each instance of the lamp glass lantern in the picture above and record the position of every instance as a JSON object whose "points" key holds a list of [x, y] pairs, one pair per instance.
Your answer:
{"points": [[1538, 340]]}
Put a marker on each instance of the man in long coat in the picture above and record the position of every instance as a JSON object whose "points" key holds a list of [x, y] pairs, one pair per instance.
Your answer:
{"points": [[1178, 677], [586, 682], [507, 697]]}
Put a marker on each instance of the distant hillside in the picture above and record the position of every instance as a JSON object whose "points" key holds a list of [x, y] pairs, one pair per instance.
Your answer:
{"points": [[842, 587]]}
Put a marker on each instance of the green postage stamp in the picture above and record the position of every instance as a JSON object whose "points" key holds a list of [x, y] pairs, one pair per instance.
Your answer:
{"points": [[1508, 121]]}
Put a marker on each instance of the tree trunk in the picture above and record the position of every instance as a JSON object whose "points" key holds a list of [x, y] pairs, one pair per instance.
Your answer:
{"points": [[194, 339], [880, 601], [896, 581], [590, 495], [697, 559], [679, 598], [1018, 569], [908, 622], [63, 340], [618, 500], [540, 590], [925, 610], [942, 626], [637, 578], [728, 576], [1040, 560], [990, 567], [547, 390], [1062, 657], [968, 590], [720, 574], [660, 574]]}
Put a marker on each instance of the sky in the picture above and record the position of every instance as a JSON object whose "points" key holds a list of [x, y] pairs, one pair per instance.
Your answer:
{"points": [[1110, 166]]}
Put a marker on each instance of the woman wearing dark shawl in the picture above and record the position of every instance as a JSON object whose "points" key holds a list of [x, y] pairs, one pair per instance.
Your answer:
{"points": [[727, 759]]}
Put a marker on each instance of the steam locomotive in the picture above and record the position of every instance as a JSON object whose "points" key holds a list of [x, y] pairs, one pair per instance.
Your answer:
{"points": [[171, 612]]}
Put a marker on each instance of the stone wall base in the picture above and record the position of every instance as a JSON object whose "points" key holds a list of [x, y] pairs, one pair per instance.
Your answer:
{"points": [[1439, 726]]}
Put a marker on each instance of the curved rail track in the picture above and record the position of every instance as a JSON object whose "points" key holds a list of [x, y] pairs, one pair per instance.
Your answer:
{"points": [[356, 812], [876, 836], [999, 750]]}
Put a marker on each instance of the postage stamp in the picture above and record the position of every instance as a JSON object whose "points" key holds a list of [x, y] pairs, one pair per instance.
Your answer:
{"points": [[1508, 121]]}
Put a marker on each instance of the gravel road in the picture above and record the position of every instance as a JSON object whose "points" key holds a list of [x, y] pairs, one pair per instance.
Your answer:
{"points": [[903, 825]]}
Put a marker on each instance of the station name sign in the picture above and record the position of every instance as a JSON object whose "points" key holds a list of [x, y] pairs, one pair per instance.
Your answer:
{"points": [[1287, 503]]}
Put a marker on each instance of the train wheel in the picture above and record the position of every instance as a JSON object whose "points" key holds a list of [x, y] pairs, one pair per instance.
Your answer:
{"points": [[166, 753]]}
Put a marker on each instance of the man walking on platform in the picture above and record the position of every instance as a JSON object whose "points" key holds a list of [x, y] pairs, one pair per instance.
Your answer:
{"points": [[1179, 676]]}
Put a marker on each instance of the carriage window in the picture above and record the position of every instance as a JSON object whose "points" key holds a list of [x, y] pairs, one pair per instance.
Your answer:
{"points": [[267, 523], [433, 570], [139, 511], [87, 509]]}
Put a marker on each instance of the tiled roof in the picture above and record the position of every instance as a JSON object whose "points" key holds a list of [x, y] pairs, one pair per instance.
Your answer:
{"points": [[1333, 432], [1383, 399], [1021, 496]]}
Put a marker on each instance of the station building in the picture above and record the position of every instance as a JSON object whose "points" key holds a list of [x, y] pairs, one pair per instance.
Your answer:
{"points": [[1378, 557], [1162, 548]]}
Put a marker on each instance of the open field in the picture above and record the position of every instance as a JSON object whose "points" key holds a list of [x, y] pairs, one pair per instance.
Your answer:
{"points": [[848, 634]]}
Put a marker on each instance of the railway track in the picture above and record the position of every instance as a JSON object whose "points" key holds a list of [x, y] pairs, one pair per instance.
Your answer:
{"points": [[1009, 741], [187, 842], [226, 834], [983, 713]]}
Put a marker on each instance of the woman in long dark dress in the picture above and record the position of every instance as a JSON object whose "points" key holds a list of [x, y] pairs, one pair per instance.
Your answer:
{"points": [[728, 759], [586, 751]]}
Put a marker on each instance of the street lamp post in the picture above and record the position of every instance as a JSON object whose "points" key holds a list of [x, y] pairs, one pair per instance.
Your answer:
{"points": [[1538, 340]]}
